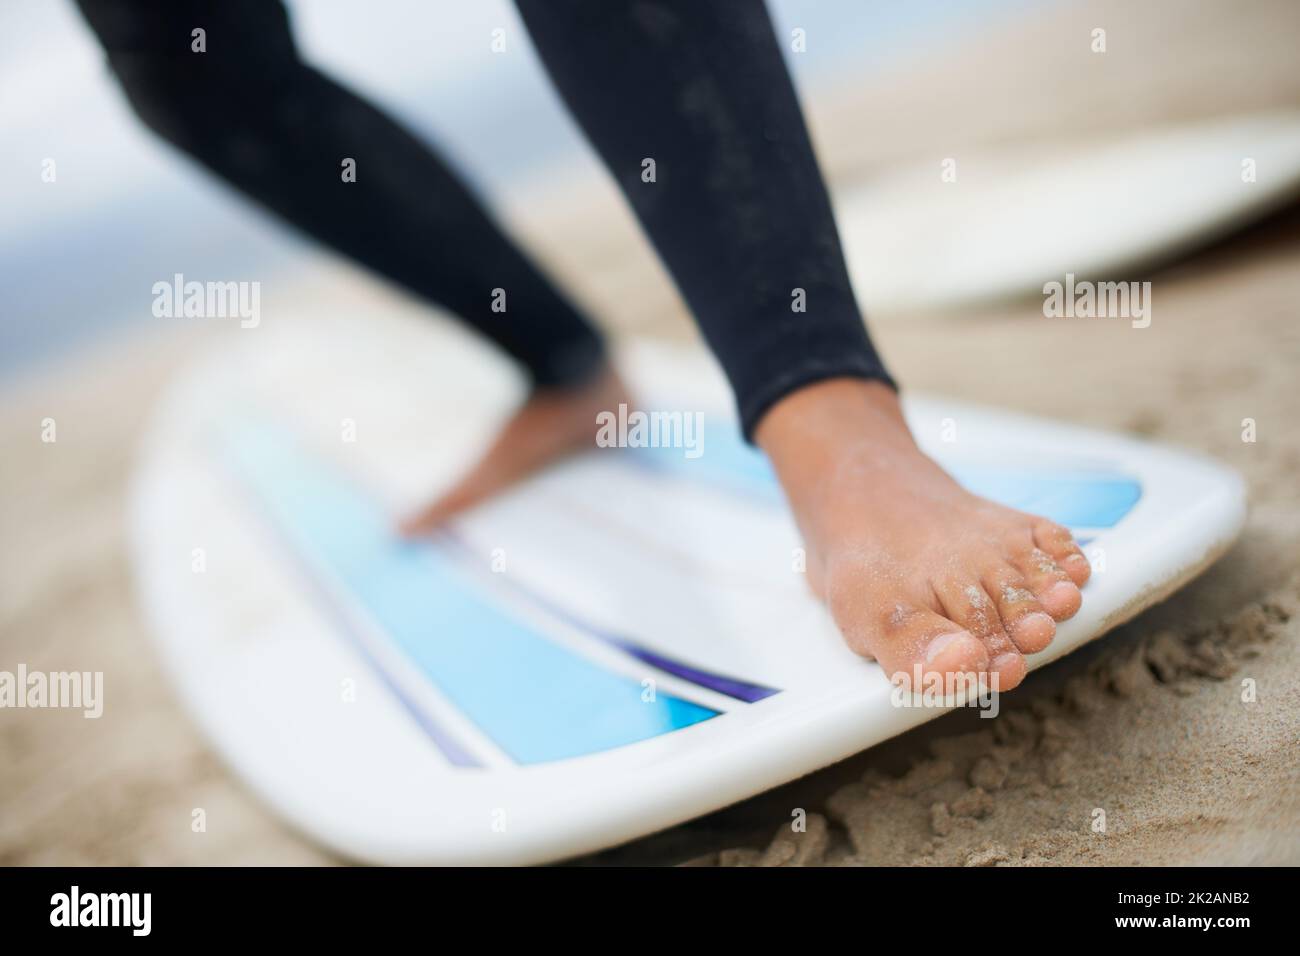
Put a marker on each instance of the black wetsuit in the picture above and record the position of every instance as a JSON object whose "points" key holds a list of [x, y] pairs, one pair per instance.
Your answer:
{"points": [[736, 208]]}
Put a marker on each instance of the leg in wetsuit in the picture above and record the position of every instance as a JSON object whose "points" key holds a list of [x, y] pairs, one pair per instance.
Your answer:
{"points": [[254, 113], [737, 209]]}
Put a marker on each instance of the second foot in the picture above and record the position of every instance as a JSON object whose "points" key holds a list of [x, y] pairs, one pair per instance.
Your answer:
{"points": [[551, 424]]}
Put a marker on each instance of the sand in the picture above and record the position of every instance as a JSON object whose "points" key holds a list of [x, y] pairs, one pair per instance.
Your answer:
{"points": [[1147, 726]]}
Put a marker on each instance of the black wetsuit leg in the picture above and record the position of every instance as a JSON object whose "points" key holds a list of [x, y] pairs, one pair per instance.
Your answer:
{"points": [[263, 120], [737, 207]]}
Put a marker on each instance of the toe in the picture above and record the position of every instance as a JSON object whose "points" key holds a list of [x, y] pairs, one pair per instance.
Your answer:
{"points": [[1061, 600], [1059, 544], [954, 652], [1029, 626], [1053, 588], [967, 604], [914, 643], [1007, 671]]}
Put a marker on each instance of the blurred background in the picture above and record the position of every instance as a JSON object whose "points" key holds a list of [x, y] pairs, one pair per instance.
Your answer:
{"points": [[887, 86], [428, 63]]}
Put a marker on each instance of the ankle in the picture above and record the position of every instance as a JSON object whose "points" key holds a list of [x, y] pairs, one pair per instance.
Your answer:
{"points": [[827, 416]]}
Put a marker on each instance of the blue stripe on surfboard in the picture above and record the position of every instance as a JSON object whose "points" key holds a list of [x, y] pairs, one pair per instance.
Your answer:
{"points": [[1077, 499], [452, 748], [533, 698], [733, 687]]}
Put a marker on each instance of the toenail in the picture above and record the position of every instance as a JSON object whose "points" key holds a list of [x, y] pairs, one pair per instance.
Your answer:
{"points": [[1082, 569], [1038, 620], [1062, 595], [938, 644], [1034, 631], [1063, 588], [956, 653]]}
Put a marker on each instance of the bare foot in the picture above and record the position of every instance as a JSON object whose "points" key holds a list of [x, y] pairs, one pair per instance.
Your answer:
{"points": [[552, 423], [917, 572]]}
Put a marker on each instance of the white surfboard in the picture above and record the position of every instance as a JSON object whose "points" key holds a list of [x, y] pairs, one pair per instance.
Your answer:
{"points": [[619, 645], [1004, 222]]}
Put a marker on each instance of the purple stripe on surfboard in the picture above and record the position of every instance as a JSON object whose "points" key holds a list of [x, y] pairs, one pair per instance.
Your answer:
{"points": [[728, 686], [451, 748]]}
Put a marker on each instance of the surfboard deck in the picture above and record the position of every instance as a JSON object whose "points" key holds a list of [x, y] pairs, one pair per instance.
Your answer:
{"points": [[1014, 219], [620, 644]]}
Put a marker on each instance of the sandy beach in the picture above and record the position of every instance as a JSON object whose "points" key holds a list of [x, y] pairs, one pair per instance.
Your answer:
{"points": [[1148, 725]]}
